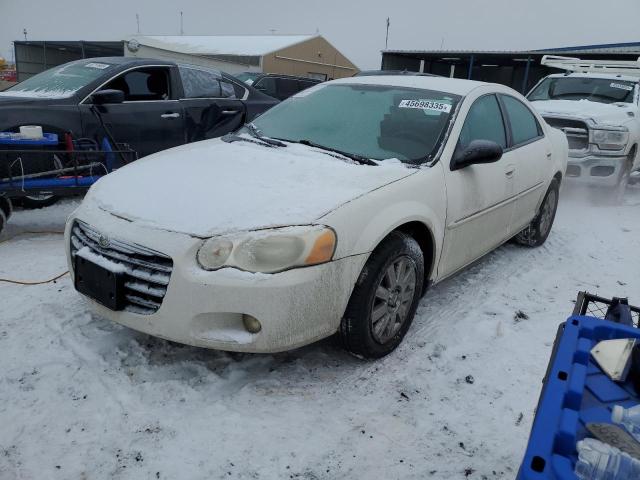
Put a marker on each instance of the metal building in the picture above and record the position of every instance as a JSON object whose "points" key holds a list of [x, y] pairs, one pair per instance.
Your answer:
{"points": [[303, 55], [35, 57], [520, 70]]}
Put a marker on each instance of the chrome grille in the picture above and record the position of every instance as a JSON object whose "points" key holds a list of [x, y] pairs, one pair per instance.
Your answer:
{"points": [[576, 131], [147, 272]]}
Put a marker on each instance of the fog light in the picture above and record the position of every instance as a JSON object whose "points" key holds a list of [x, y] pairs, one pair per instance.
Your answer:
{"points": [[251, 324]]}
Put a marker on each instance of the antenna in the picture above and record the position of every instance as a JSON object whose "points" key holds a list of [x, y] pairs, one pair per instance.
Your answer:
{"points": [[386, 41], [138, 22], [181, 24], [24, 31]]}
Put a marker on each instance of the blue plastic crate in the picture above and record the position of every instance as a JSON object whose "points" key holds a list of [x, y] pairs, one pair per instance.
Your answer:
{"points": [[575, 392], [47, 140]]}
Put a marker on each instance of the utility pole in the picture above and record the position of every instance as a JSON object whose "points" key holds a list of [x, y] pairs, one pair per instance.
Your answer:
{"points": [[138, 22], [181, 24], [386, 42]]}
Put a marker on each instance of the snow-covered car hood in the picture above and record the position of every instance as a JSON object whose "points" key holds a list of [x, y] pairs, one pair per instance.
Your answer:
{"points": [[600, 113], [213, 187]]}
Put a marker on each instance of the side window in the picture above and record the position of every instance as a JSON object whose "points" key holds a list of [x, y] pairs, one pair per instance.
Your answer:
{"points": [[267, 85], [200, 83], [484, 122], [143, 84], [239, 90], [227, 89], [524, 125], [287, 87], [306, 84]]}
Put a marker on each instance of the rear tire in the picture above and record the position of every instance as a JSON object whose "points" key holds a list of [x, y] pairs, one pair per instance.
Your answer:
{"points": [[538, 230], [6, 206], [385, 298], [39, 201]]}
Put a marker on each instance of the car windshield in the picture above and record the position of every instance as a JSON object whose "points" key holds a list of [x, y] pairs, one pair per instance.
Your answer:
{"points": [[372, 121], [601, 90], [247, 77], [62, 81]]}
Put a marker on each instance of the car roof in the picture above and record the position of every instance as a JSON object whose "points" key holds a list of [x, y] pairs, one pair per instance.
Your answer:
{"points": [[456, 86], [128, 61], [606, 76]]}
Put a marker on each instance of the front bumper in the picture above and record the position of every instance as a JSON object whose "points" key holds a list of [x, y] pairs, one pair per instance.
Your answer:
{"points": [[596, 170], [205, 309]]}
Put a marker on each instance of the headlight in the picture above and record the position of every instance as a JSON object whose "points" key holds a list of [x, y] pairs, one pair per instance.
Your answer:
{"points": [[269, 251], [610, 139]]}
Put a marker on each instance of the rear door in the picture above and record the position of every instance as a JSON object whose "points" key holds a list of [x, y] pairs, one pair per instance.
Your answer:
{"points": [[149, 120], [532, 153], [211, 104], [479, 197]]}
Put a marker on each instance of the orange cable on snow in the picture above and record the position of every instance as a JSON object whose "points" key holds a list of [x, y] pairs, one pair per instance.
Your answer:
{"points": [[20, 282]]}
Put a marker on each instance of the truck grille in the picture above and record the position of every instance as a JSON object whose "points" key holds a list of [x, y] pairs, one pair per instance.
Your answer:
{"points": [[147, 272], [576, 131]]}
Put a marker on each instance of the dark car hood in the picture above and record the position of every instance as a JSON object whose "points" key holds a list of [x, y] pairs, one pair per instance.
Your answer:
{"points": [[6, 99]]}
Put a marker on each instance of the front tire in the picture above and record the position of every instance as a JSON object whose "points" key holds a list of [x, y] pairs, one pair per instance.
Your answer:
{"points": [[385, 298], [538, 230]]}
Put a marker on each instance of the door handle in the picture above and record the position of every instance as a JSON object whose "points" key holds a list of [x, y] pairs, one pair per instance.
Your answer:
{"points": [[510, 171], [229, 112], [170, 115], [548, 154]]}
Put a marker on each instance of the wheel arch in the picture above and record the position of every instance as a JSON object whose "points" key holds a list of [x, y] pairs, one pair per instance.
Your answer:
{"points": [[424, 236]]}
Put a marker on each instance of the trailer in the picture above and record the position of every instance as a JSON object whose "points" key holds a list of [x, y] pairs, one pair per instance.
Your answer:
{"points": [[36, 171]]}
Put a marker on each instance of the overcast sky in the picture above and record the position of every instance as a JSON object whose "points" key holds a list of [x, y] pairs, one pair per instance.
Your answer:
{"points": [[357, 28]]}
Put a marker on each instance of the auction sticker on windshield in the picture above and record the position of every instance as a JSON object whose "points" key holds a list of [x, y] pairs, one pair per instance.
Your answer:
{"points": [[101, 66], [621, 86], [426, 105]]}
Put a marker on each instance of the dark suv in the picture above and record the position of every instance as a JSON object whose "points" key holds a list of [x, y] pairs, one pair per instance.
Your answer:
{"points": [[277, 85]]}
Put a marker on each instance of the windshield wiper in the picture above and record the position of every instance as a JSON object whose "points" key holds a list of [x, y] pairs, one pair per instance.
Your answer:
{"points": [[255, 133], [352, 156]]}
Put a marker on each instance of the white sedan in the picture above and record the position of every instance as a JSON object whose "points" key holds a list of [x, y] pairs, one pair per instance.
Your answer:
{"points": [[332, 212]]}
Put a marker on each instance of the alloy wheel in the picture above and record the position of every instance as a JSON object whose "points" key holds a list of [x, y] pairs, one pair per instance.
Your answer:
{"points": [[393, 299]]}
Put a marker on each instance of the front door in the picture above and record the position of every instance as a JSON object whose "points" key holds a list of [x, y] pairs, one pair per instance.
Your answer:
{"points": [[479, 197], [149, 120]]}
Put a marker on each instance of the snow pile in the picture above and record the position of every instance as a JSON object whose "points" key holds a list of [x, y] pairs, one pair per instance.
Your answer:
{"points": [[214, 187], [81, 397]]}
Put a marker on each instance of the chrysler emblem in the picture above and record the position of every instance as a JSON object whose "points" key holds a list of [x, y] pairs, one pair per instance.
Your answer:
{"points": [[103, 241]]}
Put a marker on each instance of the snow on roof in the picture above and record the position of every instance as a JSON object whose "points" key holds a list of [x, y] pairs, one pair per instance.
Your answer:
{"points": [[243, 45], [456, 86]]}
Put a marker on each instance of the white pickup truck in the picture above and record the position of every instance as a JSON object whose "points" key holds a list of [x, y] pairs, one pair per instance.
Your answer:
{"points": [[596, 104]]}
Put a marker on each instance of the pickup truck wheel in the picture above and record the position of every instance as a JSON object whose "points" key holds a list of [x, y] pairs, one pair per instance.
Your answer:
{"points": [[384, 300], [3, 220], [6, 206], [540, 227], [625, 176]]}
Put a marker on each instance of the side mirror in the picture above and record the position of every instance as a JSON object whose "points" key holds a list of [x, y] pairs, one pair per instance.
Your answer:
{"points": [[478, 151], [104, 97]]}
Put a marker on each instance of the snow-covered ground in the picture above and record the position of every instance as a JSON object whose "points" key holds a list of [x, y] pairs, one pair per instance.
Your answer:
{"points": [[82, 398]]}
